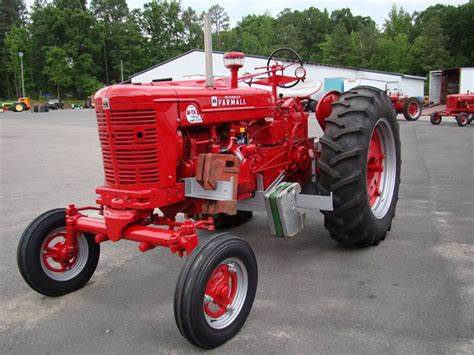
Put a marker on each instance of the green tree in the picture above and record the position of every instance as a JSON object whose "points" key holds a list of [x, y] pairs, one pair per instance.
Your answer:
{"points": [[351, 23], [71, 4], [72, 29], [58, 68], [430, 48], [454, 21], [288, 34], [110, 10], [254, 35], [399, 21], [12, 13], [363, 45], [337, 47], [220, 22], [392, 54], [313, 26], [163, 28], [120, 38], [193, 36], [17, 40]]}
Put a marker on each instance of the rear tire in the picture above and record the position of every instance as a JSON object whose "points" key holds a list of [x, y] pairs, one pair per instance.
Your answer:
{"points": [[360, 130], [462, 119], [40, 270], [215, 291], [412, 109], [435, 118]]}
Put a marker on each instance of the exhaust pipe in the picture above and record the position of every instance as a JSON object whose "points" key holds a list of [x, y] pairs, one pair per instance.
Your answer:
{"points": [[208, 50]]}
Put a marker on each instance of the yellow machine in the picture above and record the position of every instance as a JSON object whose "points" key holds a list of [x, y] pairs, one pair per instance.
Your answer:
{"points": [[23, 103]]}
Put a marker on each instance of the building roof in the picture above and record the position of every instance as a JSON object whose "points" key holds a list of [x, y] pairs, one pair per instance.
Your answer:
{"points": [[263, 57]]}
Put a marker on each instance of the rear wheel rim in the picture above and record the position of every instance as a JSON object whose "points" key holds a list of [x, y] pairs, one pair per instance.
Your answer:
{"points": [[225, 293], [381, 169], [57, 267]]}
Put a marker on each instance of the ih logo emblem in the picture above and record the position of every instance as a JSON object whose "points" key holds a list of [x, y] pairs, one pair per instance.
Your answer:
{"points": [[192, 114], [214, 101]]}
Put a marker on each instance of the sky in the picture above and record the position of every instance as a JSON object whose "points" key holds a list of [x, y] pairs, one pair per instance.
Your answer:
{"points": [[377, 9], [236, 9]]}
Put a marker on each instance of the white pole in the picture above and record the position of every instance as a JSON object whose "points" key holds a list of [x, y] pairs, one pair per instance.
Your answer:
{"points": [[208, 50], [22, 76], [121, 69]]}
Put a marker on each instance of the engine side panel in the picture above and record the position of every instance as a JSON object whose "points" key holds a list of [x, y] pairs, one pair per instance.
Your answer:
{"points": [[203, 106]]}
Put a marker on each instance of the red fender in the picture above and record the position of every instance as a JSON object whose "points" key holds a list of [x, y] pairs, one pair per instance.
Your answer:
{"points": [[324, 107]]}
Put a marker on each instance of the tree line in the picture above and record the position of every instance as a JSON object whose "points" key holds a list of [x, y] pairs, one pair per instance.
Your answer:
{"points": [[76, 47]]}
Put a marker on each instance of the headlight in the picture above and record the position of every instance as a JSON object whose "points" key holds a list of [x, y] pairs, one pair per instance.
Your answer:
{"points": [[234, 60]]}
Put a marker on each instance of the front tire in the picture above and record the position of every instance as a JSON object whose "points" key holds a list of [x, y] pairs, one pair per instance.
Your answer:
{"points": [[360, 164], [215, 291], [412, 109], [19, 107], [435, 118], [462, 119], [39, 256]]}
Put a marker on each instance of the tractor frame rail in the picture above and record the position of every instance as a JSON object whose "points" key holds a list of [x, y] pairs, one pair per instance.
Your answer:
{"points": [[137, 226]]}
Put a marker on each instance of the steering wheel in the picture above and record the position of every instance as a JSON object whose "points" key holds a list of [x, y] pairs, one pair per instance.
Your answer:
{"points": [[287, 55]]}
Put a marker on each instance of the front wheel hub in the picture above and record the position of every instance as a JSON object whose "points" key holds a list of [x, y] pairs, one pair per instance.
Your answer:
{"points": [[413, 109], [57, 261], [225, 293]]}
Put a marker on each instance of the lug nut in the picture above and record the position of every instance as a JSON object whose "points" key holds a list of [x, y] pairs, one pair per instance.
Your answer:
{"points": [[208, 299], [231, 267]]}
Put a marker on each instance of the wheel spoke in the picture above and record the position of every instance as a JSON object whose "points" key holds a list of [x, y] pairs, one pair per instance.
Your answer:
{"points": [[375, 168], [51, 252]]}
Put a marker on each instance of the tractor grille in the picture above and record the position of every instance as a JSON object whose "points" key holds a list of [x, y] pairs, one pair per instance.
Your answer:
{"points": [[129, 146]]}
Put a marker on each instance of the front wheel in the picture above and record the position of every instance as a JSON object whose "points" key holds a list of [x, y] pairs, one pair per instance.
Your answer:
{"points": [[43, 262], [215, 291], [19, 107], [435, 118], [360, 164], [412, 109], [462, 119]]}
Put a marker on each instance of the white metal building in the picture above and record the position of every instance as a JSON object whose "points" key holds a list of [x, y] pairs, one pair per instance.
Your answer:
{"points": [[450, 81], [192, 64]]}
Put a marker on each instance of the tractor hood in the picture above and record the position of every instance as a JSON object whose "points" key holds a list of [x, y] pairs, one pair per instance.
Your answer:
{"points": [[197, 104]]}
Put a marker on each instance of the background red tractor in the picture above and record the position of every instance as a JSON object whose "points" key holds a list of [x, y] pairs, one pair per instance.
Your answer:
{"points": [[461, 106], [217, 151], [409, 106]]}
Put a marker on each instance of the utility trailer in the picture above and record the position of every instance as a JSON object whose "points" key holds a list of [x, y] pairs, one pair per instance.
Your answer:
{"points": [[217, 152]]}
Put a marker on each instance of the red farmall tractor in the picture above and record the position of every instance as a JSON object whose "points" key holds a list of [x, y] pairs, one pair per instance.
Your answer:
{"points": [[461, 106], [217, 152], [409, 106]]}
